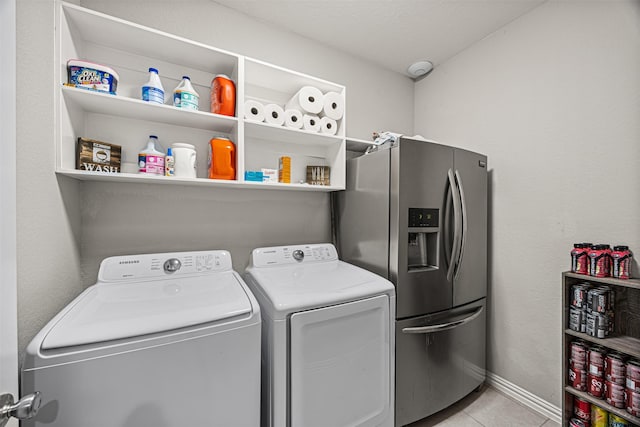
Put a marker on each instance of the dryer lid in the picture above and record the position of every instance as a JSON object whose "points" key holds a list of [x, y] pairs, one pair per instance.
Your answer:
{"points": [[106, 312], [289, 288]]}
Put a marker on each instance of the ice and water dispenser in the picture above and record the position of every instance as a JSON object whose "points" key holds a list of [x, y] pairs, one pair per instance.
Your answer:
{"points": [[423, 248]]}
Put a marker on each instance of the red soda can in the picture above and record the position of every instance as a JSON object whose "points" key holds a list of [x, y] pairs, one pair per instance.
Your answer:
{"points": [[575, 422], [578, 378], [582, 410], [580, 258], [599, 260], [633, 402], [579, 352], [595, 386], [596, 360], [614, 368], [614, 394], [633, 370], [621, 260]]}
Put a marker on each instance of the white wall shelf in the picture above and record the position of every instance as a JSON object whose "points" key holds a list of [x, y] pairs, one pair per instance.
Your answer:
{"points": [[124, 119]]}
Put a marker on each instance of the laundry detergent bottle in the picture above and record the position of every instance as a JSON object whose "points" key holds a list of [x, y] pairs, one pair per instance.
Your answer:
{"points": [[152, 91], [185, 96], [150, 159]]}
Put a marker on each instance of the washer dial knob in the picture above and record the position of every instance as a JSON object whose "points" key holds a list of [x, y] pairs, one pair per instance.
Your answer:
{"points": [[298, 255]]}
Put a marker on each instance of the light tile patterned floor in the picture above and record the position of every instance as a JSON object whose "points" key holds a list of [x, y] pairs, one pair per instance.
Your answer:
{"points": [[487, 408]]}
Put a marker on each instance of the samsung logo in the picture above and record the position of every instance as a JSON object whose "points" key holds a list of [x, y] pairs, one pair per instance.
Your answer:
{"points": [[134, 261]]}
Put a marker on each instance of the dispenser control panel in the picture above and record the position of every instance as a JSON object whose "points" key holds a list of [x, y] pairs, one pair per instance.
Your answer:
{"points": [[283, 255], [421, 217]]}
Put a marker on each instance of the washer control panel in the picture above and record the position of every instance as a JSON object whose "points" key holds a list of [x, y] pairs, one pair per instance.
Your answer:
{"points": [[295, 254], [158, 266]]}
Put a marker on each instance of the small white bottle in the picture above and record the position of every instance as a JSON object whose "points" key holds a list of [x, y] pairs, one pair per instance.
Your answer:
{"points": [[185, 96], [152, 91], [150, 159], [169, 163]]}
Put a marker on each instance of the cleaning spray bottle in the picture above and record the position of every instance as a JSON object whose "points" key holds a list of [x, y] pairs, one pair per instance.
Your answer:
{"points": [[185, 96]]}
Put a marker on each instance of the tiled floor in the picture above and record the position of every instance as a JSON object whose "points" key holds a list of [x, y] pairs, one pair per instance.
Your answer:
{"points": [[488, 408]]}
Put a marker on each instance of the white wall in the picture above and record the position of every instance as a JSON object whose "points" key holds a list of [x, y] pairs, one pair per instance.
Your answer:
{"points": [[66, 227], [553, 99]]}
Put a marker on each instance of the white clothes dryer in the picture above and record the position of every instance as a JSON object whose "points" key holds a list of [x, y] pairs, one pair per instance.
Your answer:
{"points": [[161, 340], [327, 339]]}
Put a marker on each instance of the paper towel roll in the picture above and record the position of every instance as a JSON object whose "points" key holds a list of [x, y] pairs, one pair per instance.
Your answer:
{"points": [[309, 100], [333, 106], [311, 123], [253, 110], [328, 126], [274, 114], [293, 119]]}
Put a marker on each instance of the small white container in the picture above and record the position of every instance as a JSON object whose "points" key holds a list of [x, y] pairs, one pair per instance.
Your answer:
{"points": [[184, 156]]}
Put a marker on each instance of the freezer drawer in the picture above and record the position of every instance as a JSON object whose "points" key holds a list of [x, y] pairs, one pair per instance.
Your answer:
{"points": [[440, 358]]}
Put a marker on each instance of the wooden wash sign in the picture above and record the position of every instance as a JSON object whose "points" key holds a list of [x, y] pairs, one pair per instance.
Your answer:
{"points": [[97, 156]]}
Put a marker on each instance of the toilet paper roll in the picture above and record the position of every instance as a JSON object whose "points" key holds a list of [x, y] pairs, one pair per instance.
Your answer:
{"points": [[293, 119], [311, 123], [333, 106], [308, 100], [253, 110], [274, 114], [328, 126]]}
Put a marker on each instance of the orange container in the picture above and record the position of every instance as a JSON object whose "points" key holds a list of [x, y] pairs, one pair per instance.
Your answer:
{"points": [[223, 96], [222, 159]]}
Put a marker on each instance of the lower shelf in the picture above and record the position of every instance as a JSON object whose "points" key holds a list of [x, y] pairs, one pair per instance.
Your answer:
{"points": [[603, 404], [627, 345], [147, 179]]}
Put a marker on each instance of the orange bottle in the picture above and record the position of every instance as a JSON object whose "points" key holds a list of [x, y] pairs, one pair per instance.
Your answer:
{"points": [[222, 158], [223, 96]]}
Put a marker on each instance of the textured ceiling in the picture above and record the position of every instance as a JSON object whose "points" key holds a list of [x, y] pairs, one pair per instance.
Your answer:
{"points": [[391, 33]]}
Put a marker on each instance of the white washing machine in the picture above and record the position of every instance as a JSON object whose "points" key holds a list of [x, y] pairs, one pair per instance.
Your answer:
{"points": [[327, 339], [161, 340]]}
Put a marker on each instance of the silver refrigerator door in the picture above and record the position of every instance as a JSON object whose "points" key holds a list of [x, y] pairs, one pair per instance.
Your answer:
{"points": [[362, 213], [440, 358], [419, 180], [470, 277]]}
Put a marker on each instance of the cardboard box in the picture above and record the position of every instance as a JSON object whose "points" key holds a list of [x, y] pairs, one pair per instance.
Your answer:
{"points": [[97, 156]]}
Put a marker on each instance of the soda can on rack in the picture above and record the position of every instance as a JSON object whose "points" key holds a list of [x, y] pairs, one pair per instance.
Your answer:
{"points": [[579, 295], [577, 377], [614, 368], [579, 350], [616, 421], [633, 372], [600, 300], [597, 325], [595, 386], [633, 402], [577, 319], [614, 394], [599, 417], [582, 409], [576, 422], [596, 356]]}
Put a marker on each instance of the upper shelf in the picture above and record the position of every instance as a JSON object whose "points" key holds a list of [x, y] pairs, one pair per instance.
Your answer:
{"points": [[114, 105], [629, 283]]}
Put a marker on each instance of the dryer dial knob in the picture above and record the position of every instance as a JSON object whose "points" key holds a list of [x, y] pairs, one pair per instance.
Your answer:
{"points": [[172, 265], [298, 255]]}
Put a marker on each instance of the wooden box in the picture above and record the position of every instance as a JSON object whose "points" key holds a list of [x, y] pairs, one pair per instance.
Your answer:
{"points": [[319, 175], [97, 156]]}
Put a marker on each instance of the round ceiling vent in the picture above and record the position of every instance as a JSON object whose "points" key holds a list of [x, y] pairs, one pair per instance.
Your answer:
{"points": [[419, 68]]}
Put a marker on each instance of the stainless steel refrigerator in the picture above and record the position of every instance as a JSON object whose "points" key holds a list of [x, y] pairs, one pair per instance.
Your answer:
{"points": [[417, 214]]}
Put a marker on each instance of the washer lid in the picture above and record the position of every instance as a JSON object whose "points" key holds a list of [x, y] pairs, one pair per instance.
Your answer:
{"points": [[284, 289], [122, 310]]}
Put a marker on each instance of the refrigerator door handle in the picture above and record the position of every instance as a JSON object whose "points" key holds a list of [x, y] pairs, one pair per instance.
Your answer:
{"points": [[446, 227], [457, 225], [463, 236], [444, 326]]}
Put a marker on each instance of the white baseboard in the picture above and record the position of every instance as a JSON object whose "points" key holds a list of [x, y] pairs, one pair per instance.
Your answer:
{"points": [[526, 398]]}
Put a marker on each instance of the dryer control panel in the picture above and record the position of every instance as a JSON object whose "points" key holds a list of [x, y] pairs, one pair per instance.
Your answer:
{"points": [[157, 266], [294, 254]]}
